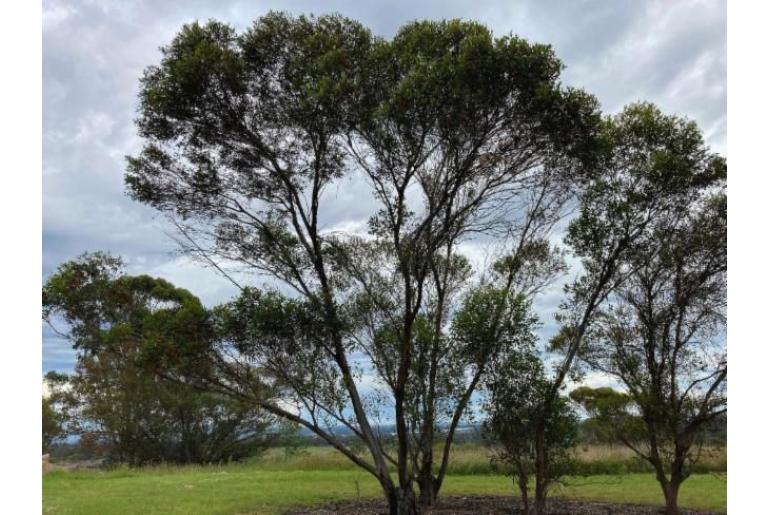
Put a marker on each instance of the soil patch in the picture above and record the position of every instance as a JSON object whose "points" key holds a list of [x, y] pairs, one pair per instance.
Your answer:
{"points": [[490, 505]]}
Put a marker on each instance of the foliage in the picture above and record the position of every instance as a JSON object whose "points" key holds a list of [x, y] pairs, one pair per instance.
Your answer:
{"points": [[120, 323]]}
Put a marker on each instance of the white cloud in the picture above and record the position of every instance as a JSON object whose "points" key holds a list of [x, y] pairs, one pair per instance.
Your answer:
{"points": [[54, 16], [183, 272], [594, 380]]}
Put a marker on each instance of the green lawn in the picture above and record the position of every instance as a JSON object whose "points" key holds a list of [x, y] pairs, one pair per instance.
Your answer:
{"points": [[260, 489]]}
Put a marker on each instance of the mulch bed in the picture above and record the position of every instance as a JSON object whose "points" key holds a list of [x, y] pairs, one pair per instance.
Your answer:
{"points": [[490, 505]]}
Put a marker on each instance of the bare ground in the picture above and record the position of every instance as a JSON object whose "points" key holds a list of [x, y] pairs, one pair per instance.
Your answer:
{"points": [[490, 505]]}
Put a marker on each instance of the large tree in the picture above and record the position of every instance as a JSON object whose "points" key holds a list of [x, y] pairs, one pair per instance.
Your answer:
{"points": [[456, 133], [660, 328], [114, 396]]}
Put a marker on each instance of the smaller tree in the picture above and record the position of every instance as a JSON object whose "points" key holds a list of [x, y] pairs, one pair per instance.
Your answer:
{"points": [[660, 329], [516, 409]]}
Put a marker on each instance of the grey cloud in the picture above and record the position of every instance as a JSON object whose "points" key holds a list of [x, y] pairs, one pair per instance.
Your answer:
{"points": [[669, 52]]}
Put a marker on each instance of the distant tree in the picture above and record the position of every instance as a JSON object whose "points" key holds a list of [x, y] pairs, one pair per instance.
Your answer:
{"points": [[515, 408], [113, 396], [53, 424], [291, 439], [660, 327], [456, 133], [56, 415], [614, 415]]}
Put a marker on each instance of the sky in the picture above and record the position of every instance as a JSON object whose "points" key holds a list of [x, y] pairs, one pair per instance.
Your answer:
{"points": [[671, 52]]}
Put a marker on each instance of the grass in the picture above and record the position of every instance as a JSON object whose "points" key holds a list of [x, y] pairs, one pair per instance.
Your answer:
{"points": [[276, 482]]}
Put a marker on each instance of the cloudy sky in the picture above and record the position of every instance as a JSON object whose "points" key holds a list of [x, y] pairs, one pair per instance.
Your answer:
{"points": [[671, 52]]}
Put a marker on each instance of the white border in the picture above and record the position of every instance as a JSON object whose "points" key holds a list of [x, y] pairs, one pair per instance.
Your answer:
{"points": [[749, 198], [748, 284], [21, 255]]}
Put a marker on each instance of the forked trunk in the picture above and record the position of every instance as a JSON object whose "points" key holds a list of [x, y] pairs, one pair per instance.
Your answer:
{"points": [[671, 493], [670, 487], [522, 480], [428, 489], [402, 502]]}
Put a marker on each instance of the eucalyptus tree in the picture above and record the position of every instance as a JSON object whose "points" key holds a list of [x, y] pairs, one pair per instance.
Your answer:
{"points": [[654, 223], [662, 335], [456, 134]]}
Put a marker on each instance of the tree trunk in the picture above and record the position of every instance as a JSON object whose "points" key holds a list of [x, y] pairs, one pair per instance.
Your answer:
{"points": [[522, 480], [671, 492], [540, 472], [428, 489], [678, 475], [540, 494], [402, 502], [670, 487]]}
